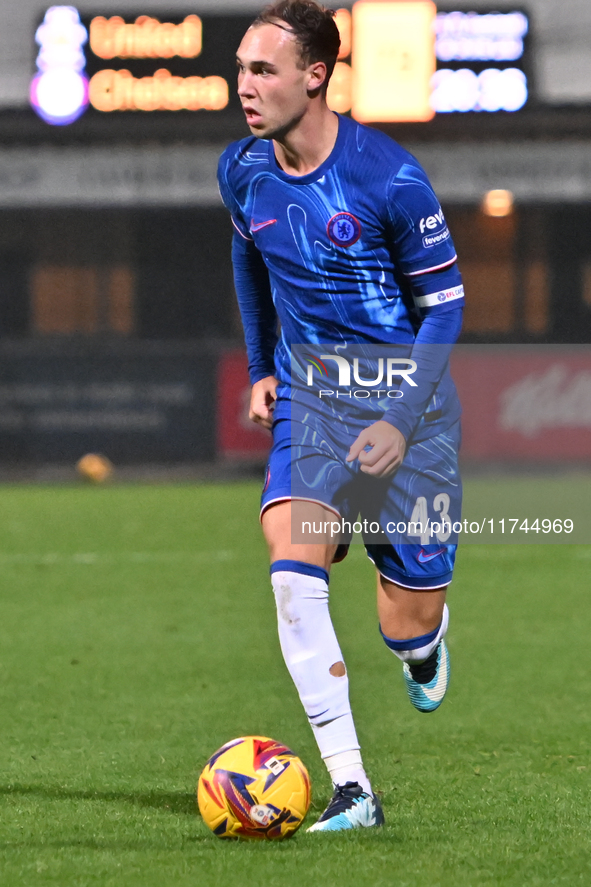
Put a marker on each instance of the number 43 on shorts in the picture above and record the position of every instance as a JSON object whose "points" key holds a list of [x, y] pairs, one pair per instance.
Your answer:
{"points": [[440, 527]]}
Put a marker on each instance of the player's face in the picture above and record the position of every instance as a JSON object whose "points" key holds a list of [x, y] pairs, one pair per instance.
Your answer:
{"points": [[272, 84]]}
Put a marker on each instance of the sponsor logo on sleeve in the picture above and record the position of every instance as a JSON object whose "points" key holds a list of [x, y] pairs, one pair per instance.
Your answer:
{"points": [[440, 297], [433, 239], [431, 223]]}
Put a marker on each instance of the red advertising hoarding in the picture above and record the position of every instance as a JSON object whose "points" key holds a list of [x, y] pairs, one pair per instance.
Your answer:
{"points": [[527, 403], [237, 437], [522, 403]]}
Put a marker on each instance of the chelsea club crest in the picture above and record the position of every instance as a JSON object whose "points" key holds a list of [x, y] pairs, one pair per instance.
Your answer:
{"points": [[344, 229]]}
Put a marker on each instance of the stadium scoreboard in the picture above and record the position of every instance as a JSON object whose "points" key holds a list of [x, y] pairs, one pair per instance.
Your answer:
{"points": [[399, 61], [180, 63]]}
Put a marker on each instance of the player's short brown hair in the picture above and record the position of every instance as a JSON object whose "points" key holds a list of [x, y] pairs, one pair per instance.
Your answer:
{"points": [[313, 27]]}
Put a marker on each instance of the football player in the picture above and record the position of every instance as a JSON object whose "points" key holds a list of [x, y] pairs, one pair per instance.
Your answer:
{"points": [[340, 240]]}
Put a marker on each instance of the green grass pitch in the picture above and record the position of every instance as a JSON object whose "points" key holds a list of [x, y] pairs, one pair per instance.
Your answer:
{"points": [[137, 634]]}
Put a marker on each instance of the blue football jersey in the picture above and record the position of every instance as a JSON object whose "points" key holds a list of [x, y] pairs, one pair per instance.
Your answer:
{"points": [[357, 251]]}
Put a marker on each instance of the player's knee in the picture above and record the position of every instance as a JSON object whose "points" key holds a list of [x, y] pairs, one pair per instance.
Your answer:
{"points": [[292, 596]]}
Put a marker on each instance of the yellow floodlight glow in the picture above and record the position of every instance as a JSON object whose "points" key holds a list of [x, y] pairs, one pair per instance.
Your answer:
{"points": [[497, 203], [393, 60], [338, 96], [343, 22]]}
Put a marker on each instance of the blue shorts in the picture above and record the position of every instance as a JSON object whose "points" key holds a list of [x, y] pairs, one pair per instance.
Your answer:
{"points": [[307, 461]]}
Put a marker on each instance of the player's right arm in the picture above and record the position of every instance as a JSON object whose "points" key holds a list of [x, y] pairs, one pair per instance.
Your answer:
{"points": [[262, 401], [259, 318]]}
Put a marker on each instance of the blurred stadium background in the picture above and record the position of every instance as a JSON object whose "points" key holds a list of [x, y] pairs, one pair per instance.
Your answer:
{"points": [[118, 325]]}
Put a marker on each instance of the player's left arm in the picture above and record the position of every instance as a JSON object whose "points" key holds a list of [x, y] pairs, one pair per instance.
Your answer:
{"points": [[422, 247], [387, 438], [433, 345]]}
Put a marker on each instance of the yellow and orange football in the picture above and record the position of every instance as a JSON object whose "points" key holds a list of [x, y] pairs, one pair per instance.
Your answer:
{"points": [[95, 468], [254, 788]]}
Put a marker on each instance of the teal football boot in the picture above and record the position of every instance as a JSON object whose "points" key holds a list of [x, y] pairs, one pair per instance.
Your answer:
{"points": [[427, 682], [350, 807]]}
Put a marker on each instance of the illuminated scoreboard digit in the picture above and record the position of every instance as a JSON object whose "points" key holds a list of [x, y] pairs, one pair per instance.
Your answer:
{"points": [[482, 61]]}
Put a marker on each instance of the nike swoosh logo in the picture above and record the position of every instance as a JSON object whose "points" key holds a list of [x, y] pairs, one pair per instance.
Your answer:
{"points": [[423, 557], [436, 693], [256, 226]]}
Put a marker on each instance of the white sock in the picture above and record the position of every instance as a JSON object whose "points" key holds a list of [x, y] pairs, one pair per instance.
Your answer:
{"points": [[348, 767], [310, 649], [419, 654]]}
